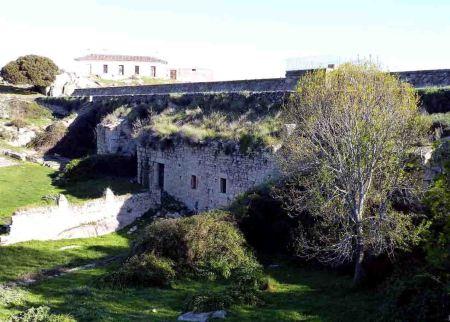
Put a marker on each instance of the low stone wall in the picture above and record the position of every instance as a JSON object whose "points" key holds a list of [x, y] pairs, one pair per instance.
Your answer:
{"points": [[426, 78], [253, 85], [210, 164], [64, 221], [418, 78]]}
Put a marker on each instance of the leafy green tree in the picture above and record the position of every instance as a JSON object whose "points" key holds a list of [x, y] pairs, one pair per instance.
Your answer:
{"points": [[352, 131], [32, 70]]}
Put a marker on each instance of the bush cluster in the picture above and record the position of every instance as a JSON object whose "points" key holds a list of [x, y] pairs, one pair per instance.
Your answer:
{"points": [[30, 69], [203, 246], [206, 245], [245, 288], [143, 270]]}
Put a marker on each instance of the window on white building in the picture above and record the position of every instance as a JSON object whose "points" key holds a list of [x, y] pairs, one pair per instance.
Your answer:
{"points": [[105, 69], [121, 69], [153, 71], [136, 70]]}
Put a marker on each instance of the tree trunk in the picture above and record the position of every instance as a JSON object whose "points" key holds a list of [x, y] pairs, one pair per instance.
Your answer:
{"points": [[359, 270]]}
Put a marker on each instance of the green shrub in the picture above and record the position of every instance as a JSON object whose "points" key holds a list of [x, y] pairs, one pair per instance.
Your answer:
{"points": [[259, 214], [245, 289], [421, 297], [205, 245], [97, 165], [40, 314], [208, 301], [30, 69], [143, 270]]}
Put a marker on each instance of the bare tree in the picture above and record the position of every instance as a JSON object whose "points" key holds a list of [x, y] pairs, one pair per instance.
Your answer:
{"points": [[354, 129]]}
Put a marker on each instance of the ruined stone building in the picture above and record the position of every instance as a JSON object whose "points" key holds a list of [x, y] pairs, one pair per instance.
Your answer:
{"points": [[206, 173]]}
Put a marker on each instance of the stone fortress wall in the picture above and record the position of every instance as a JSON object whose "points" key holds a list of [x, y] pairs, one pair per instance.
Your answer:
{"points": [[64, 221], [418, 78], [426, 78], [205, 176], [255, 85]]}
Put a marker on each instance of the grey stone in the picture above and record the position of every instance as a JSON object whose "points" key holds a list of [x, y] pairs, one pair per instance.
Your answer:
{"points": [[202, 317], [209, 164], [221, 314]]}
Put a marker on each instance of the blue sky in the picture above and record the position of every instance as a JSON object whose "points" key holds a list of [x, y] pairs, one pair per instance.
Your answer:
{"points": [[237, 39]]}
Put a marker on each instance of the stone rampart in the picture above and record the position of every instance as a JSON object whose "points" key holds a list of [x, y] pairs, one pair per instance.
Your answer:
{"points": [[253, 85], [426, 78], [418, 78], [64, 221]]}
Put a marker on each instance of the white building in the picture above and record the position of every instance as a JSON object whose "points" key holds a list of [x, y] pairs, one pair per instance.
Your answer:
{"points": [[124, 66], [121, 66], [190, 75]]}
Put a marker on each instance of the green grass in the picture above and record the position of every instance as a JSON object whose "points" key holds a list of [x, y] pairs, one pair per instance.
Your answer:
{"points": [[25, 184], [298, 294], [192, 123]]}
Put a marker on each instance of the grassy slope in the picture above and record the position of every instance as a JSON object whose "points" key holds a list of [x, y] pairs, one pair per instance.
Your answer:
{"points": [[25, 184], [299, 294]]}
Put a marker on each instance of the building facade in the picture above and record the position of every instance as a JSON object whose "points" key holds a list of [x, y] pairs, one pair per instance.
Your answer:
{"points": [[203, 177], [121, 66], [124, 66]]}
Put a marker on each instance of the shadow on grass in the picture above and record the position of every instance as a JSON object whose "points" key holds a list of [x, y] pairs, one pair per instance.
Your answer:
{"points": [[95, 187]]}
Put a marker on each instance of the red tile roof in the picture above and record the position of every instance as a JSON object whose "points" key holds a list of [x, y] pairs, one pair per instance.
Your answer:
{"points": [[102, 57]]}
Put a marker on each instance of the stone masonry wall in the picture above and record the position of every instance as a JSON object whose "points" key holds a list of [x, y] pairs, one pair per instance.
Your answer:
{"points": [[254, 85], [418, 78], [426, 78], [209, 163], [93, 218], [115, 139]]}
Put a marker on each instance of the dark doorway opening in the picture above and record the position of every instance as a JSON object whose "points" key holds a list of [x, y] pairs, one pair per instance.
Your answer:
{"points": [[161, 175]]}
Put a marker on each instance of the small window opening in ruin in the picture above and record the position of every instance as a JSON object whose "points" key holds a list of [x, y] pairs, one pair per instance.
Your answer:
{"points": [[153, 71], [121, 69], [105, 69], [194, 182], [136, 70], [161, 175], [223, 185], [194, 69]]}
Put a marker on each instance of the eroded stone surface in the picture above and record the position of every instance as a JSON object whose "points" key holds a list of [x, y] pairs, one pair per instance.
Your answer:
{"points": [[93, 218], [5, 162]]}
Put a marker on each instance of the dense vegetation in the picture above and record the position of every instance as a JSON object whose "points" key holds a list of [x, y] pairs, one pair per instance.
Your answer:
{"points": [[435, 100], [32, 70]]}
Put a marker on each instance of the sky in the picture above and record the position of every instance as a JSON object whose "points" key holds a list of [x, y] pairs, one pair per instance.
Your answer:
{"points": [[237, 39]]}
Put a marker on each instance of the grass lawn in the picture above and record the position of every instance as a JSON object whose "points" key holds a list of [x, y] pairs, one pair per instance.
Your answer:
{"points": [[298, 294], [26, 184]]}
